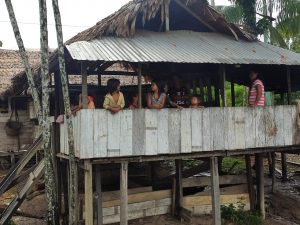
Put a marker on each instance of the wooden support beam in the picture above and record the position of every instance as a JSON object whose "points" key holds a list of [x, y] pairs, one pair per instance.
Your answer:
{"points": [[216, 208], [206, 181], [222, 76], [124, 193], [140, 86], [289, 85], [167, 15], [84, 86], [99, 80], [201, 85], [98, 195], [179, 190], [250, 183], [88, 192], [209, 92], [63, 175], [283, 167], [273, 171], [261, 191], [232, 93]]}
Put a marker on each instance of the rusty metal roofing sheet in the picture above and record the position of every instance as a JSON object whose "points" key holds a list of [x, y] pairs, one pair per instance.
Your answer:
{"points": [[181, 47]]}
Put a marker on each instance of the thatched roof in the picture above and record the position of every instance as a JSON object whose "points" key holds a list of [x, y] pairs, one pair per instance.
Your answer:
{"points": [[11, 64], [137, 13]]}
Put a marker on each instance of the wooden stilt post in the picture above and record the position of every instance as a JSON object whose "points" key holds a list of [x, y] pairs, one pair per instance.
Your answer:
{"points": [[167, 15], [261, 191], [84, 86], [283, 167], [64, 178], [124, 193], [140, 86], [250, 183], [179, 190], [98, 195], [88, 192], [289, 100], [232, 93], [216, 209], [273, 171]]}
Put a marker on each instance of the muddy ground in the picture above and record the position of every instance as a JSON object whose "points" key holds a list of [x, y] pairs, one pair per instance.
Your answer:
{"points": [[283, 207]]}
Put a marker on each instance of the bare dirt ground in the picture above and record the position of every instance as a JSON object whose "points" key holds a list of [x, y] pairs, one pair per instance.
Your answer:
{"points": [[283, 207]]}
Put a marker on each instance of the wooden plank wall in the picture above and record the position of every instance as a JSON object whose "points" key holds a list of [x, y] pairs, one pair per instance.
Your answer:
{"points": [[99, 133]]}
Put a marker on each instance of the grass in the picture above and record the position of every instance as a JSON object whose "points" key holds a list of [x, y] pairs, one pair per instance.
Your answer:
{"points": [[236, 165], [238, 216]]}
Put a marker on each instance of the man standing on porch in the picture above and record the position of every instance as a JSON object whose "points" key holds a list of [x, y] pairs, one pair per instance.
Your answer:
{"points": [[257, 90]]}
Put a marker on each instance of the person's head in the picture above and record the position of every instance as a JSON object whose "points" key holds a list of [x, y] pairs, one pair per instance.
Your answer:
{"points": [[195, 100], [134, 98], [157, 86], [253, 74], [113, 85]]}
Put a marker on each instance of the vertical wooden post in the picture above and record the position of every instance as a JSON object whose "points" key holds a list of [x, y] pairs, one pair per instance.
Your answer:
{"points": [[232, 93], [250, 183], [99, 80], [65, 180], [201, 89], [209, 94], [273, 171], [289, 85], [167, 15], [261, 191], [179, 190], [283, 167], [140, 86], [217, 93], [88, 192], [222, 76], [84, 86], [124, 193], [215, 192], [98, 195]]}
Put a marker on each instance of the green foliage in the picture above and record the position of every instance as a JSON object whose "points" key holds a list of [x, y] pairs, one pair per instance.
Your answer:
{"points": [[0, 44], [240, 92], [229, 162], [238, 216], [11, 222]]}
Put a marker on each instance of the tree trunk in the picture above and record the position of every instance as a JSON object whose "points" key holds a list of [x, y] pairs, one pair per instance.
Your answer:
{"points": [[72, 163], [50, 184], [14, 24]]}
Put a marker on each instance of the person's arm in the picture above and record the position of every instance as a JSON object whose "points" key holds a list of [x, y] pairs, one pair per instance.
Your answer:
{"points": [[149, 102], [160, 105], [259, 93], [122, 100]]}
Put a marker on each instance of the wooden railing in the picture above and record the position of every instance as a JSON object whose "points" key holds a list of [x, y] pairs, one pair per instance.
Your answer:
{"points": [[98, 133]]}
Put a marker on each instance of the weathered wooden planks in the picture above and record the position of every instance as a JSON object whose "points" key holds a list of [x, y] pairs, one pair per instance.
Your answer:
{"points": [[98, 133]]}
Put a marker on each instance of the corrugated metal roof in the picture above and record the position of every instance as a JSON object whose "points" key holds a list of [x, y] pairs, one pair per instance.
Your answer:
{"points": [[181, 47]]}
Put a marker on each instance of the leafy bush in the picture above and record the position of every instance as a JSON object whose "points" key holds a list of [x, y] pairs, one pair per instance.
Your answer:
{"points": [[238, 216]]}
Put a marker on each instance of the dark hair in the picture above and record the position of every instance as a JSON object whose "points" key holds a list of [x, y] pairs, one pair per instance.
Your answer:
{"points": [[160, 85], [112, 85]]}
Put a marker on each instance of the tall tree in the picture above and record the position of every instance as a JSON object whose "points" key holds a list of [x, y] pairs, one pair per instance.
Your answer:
{"points": [[14, 24], [50, 184], [64, 82]]}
